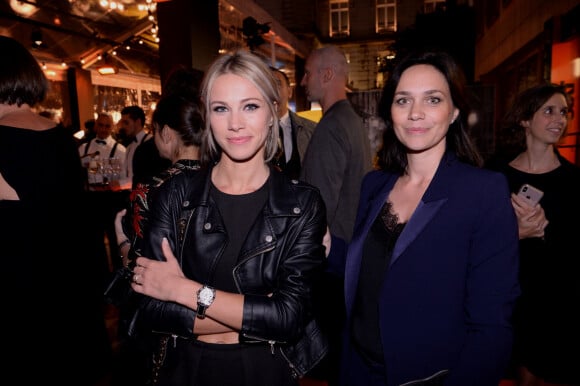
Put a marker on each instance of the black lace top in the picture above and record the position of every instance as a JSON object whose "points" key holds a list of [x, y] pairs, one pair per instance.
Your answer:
{"points": [[377, 252]]}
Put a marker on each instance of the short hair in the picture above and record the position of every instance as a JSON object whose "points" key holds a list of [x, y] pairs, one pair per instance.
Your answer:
{"points": [[332, 56], [107, 116], [182, 114], [135, 113], [392, 154], [22, 80], [250, 67], [90, 124]]}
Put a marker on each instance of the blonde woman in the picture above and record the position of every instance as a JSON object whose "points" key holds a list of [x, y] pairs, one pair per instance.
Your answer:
{"points": [[234, 248]]}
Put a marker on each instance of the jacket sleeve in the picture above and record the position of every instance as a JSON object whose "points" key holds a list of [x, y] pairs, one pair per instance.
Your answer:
{"points": [[283, 316], [154, 315], [489, 303]]}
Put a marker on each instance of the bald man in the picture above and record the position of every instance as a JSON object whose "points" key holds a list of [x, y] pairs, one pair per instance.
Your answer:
{"points": [[337, 158], [339, 154]]}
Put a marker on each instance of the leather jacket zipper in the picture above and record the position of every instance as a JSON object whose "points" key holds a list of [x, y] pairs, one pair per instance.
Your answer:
{"points": [[268, 249]]}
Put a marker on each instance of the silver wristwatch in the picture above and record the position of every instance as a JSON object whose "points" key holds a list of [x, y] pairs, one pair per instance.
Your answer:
{"points": [[205, 297]]}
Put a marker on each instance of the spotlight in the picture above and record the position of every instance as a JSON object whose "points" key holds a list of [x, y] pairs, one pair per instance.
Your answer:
{"points": [[107, 68], [36, 38]]}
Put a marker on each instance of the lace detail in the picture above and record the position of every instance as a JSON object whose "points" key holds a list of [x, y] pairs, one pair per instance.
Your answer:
{"points": [[391, 219]]}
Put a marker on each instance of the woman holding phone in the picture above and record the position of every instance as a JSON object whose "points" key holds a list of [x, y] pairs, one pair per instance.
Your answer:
{"points": [[546, 323]]}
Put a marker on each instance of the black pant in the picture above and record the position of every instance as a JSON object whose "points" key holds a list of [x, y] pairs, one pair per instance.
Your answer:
{"points": [[202, 364]]}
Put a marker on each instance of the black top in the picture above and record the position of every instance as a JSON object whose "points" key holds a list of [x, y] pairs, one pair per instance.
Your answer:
{"points": [[238, 211], [377, 252], [546, 321], [48, 259], [40, 163]]}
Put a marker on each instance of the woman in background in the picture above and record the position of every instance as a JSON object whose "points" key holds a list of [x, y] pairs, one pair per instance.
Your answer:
{"points": [[546, 321], [177, 124], [51, 283]]}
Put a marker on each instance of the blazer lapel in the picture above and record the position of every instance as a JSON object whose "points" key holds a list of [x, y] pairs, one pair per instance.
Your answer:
{"points": [[420, 218], [433, 199]]}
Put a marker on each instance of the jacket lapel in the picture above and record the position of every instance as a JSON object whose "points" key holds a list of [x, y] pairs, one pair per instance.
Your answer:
{"points": [[421, 217], [433, 199]]}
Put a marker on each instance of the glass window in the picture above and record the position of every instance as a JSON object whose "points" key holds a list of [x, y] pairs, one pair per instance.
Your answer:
{"points": [[339, 25], [386, 16], [434, 5]]}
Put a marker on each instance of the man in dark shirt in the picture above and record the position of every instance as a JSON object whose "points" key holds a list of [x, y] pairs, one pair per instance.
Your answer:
{"points": [[143, 159]]}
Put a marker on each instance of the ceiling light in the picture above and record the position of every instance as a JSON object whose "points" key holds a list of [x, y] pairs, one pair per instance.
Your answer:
{"points": [[25, 9], [36, 37], [107, 68]]}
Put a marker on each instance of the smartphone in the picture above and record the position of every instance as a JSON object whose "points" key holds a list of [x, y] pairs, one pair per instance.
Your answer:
{"points": [[531, 194]]}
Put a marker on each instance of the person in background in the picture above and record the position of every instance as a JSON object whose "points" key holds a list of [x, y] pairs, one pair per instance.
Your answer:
{"points": [[177, 124], [546, 320], [104, 161], [103, 146], [89, 131], [338, 155], [54, 327], [336, 160], [431, 270], [295, 131], [143, 159], [249, 247]]}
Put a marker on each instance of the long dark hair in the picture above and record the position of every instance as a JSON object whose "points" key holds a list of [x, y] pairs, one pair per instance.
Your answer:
{"points": [[392, 155]]}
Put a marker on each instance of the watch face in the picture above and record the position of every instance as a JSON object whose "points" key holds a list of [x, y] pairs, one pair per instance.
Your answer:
{"points": [[206, 296]]}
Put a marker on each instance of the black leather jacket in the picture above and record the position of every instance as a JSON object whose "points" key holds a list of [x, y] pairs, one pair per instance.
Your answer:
{"points": [[282, 255]]}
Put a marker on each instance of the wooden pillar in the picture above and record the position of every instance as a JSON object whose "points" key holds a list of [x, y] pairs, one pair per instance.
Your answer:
{"points": [[189, 34], [80, 93]]}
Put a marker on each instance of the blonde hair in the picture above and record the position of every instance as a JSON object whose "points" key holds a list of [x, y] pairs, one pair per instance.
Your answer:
{"points": [[250, 67]]}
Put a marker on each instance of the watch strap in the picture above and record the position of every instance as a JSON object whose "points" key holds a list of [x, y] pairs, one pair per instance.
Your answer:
{"points": [[201, 310]]}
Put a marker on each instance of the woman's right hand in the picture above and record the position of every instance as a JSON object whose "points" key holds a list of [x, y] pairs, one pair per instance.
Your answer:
{"points": [[532, 220]]}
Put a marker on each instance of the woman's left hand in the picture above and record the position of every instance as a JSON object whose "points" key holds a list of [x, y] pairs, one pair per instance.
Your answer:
{"points": [[158, 279], [532, 220]]}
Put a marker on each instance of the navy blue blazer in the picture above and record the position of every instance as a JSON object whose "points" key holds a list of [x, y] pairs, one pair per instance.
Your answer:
{"points": [[447, 298]]}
